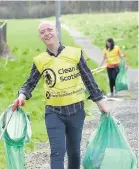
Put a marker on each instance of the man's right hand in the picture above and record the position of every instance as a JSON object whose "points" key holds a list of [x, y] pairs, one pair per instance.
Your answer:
{"points": [[20, 101]]}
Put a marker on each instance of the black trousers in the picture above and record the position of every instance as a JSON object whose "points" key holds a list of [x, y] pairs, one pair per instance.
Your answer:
{"points": [[112, 74]]}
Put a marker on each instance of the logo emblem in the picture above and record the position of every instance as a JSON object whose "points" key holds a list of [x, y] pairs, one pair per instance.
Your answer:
{"points": [[50, 77], [47, 95]]}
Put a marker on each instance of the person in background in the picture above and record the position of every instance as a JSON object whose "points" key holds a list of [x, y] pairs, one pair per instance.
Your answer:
{"points": [[112, 56]]}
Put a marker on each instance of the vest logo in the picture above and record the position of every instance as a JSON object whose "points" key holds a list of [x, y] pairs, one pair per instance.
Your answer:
{"points": [[47, 95], [50, 77]]}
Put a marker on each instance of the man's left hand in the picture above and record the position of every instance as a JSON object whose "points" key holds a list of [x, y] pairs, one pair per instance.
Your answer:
{"points": [[102, 105]]}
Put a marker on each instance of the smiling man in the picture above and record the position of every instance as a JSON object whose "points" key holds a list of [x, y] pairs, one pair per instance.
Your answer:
{"points": [[64, 115]]}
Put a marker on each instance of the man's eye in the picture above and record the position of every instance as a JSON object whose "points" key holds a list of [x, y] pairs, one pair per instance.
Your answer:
{"points": [[42, 32]]}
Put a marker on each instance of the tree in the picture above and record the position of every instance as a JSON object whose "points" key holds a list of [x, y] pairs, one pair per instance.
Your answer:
{"points": [[4, 49]]}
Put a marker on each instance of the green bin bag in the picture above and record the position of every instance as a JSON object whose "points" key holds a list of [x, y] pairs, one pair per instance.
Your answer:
{"points": [[18, 133], [106, 143], [117, 158], [122, 82]]}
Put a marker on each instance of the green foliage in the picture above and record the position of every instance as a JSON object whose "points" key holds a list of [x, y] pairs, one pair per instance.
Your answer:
{"points": [[2, 156]]}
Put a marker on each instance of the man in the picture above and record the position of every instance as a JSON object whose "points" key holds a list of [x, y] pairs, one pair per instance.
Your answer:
{"points": [[63, 69]]}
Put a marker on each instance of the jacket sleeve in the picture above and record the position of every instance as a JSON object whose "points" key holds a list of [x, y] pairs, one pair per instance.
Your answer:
{"points": [[31, 83], [95, 93]]}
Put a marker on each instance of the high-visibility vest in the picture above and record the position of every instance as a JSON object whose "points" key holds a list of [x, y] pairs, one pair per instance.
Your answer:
{"points": [[112, 56], [62, 80]]}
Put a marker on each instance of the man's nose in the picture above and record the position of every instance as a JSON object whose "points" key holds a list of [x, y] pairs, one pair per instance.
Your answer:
{"points": [[46, 33]]}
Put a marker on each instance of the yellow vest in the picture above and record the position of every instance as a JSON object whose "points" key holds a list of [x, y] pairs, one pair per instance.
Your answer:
{"points": [[112, 56], [62, 81]]}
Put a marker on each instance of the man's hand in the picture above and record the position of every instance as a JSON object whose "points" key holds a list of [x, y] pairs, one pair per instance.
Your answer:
{"points": [[20, 101], [103, 107]]}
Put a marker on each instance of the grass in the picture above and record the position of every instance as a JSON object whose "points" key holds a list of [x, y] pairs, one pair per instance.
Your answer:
{"points": [[122, 27]]}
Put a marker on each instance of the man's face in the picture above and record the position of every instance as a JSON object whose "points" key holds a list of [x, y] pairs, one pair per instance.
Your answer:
{"points": [[48, 34]]}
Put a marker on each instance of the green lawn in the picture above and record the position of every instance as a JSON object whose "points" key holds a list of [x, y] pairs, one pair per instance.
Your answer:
{"points": [[122, 27]]}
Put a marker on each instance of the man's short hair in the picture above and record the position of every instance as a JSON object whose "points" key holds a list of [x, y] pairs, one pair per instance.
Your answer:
{"points": [[42, 22]]}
